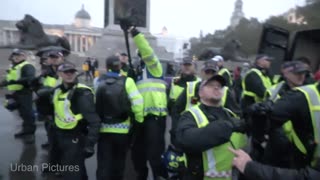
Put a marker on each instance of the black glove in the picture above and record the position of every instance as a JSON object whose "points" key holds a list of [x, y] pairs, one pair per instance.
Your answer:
{"points": [[45, 92], [88, 151], [238, 125], [126, 23], [262, 108], [35, 83]]}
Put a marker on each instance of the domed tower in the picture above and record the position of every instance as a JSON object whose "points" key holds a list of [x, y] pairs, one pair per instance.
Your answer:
{"points": [[82, 18], [237, 13]]}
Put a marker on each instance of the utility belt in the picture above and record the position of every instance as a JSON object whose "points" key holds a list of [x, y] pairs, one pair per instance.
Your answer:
{"points": [[114, 120], [152, 116], [76, 131]]}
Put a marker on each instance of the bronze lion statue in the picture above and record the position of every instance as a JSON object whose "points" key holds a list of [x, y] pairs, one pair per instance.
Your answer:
{"points": [[32, 35]]}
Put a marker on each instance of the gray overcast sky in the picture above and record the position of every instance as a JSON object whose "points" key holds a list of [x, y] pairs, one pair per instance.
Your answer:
{"points": [[182, 17]]}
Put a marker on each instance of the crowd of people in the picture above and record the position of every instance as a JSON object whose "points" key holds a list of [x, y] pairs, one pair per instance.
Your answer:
{"points": [[266, 128]]}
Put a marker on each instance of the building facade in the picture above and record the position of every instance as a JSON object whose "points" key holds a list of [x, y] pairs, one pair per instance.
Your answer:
{"points": [[178, 46], [237, 14], [81, 34], [293, 18]]}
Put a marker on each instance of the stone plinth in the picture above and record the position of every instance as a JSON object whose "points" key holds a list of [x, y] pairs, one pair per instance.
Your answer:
{"points": [[113, 40]]}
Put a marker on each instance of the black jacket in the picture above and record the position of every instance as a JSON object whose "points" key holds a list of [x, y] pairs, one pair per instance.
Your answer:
{"points": [[28, 73], [257, 171], [254, 84], [279, 148], [82, 102], [193, 140], [181, 102], [294, 106]]}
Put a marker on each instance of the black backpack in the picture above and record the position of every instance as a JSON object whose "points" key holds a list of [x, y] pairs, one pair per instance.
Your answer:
{"points": [[117, 106]]}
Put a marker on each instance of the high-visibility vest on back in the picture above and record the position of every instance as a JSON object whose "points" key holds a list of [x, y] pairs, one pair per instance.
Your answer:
{"points": [[225, 70], [49, 81], [151, 82], [14, 74], [176, 90], [265, 80]]}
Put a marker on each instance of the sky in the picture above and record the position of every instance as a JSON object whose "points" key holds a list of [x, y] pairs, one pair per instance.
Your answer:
{"points": [[183, 18]]}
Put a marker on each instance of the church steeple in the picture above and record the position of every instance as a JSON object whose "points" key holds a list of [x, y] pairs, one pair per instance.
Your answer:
{"points": [[237, 13]]}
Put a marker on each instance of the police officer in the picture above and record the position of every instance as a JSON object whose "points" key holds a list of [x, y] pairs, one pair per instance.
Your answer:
{"points": [[17, 80], [301, 108], [76, 123], [205, 132], [116, 97], [124, 64], [256, 82], [254, 87], [178, 84], [54, 55], [309, 76], [149, 143], [222, 70], [278, 149], [190, 95], [257, 171], [50, 58]]}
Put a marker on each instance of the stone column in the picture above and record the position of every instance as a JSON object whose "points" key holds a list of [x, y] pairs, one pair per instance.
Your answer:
{"points": [[148, 16], [75, 43], [72, 42], [81, 43], [111, 12], [4, 34], [70, 39], [11, 37], [87, 43]]}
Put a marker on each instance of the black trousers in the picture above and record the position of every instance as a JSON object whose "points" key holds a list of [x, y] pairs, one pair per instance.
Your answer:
{"points": [[111, 156], [70, 147], [48, 126], [24, 99], [149, 146]]}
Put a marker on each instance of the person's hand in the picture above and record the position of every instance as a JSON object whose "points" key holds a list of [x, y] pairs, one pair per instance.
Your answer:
{"points": [[238, 125], [241, 159], [126, 24], [262, 108]]}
